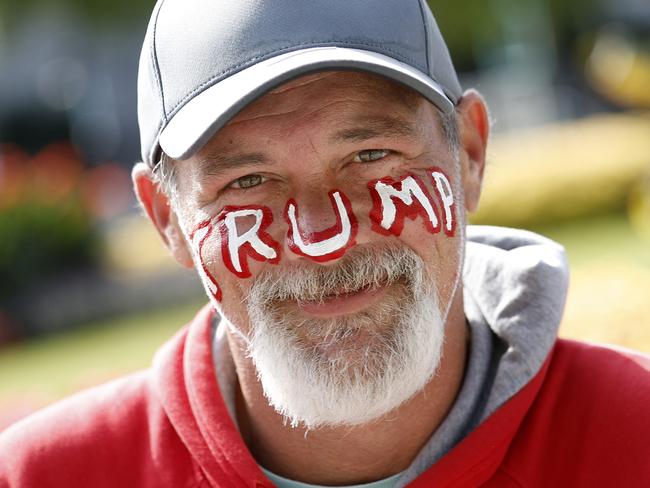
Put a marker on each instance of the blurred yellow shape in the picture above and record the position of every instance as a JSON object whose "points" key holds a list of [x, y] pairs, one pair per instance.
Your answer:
{"points": [[609, 302], [564, 171], [639, 208], [619, 70], [132, 245]]}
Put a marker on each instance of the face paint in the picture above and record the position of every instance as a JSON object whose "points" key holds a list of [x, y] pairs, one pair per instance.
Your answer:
{"points": [[255, 242], [444, 190], [395, 200], [202, 232], [327, 244]]}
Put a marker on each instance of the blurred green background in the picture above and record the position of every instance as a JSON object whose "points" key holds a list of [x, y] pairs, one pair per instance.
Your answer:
{"points": [[87, 291]]}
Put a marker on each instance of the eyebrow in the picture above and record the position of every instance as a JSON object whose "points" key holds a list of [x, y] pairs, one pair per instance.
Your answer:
{"points": [[379, 126], [218, 164]]}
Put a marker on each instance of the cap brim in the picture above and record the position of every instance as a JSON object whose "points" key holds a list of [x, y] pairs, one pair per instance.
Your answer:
{"points": [[199, 119]]}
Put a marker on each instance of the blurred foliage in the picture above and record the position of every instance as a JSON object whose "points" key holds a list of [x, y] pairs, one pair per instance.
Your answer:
{"points": [[610, 279], [473, 28], [565, 171], [97, 12], [470, 26], [39, 240], [619, 68], [36, 372], [44, 224], [639, 207]]}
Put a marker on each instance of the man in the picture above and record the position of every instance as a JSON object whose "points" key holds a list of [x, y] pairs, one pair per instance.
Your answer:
{"points": [[315, 162]]}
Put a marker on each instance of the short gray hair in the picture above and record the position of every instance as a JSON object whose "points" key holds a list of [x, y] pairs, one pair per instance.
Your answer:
{"points": [[164, 174], [449, 124]]}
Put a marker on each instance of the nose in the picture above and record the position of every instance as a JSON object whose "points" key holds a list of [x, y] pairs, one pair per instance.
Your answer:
{"points": [[322, 224]]}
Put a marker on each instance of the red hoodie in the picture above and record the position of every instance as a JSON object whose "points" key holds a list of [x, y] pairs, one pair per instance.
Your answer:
{"points": [[583, 420]]}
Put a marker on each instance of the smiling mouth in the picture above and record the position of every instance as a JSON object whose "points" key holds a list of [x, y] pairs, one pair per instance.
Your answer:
{"points": [[342, 293], [344, 303]]}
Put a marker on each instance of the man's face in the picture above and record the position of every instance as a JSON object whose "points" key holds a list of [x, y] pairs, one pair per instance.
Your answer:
{"points": [[366, 314]]}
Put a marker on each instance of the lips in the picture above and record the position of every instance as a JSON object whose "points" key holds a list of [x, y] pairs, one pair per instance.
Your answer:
{"points": [[343, 303], [342, 293]]}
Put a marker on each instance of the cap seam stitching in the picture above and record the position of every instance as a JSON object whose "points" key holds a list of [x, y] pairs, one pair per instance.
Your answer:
{"points": [[211, 80], [426, 35], [156, 66]]}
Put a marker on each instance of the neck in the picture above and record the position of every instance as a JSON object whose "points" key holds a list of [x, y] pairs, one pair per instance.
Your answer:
{"points": [[351, 455]]}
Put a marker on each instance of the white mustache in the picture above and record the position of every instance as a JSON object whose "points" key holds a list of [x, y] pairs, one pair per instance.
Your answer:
{"points": [[364, 267]]}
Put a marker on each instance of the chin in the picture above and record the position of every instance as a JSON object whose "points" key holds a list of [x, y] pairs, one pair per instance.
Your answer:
{"points": [[347, 370]]}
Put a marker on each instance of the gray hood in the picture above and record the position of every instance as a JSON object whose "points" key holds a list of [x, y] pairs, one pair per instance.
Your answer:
{"points": [[515, 282], [514, 291]]}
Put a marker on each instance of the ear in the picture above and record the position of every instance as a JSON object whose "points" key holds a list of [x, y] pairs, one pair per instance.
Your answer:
{"points": [[157, 206], [474, 127]]}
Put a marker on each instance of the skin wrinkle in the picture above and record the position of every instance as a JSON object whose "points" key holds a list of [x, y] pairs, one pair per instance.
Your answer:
{"points": [[318, 457], [296, 83], [315, 114], [313, 146], [273, 115], [386, 126], [407, 97], [217, 164]]}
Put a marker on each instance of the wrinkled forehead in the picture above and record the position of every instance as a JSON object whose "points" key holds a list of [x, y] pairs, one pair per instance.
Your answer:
{"points": [[352, 80], [329, 86]]}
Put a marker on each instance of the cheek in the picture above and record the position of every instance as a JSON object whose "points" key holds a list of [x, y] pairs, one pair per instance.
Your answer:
{"points": [[446, 266], [421, 210], [226, 291], [440, 253]]}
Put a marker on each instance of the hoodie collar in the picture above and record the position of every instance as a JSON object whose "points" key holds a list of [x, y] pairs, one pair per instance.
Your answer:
{"points": [[516, 282]]}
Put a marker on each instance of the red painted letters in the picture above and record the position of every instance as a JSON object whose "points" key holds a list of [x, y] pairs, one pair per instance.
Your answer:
{"points": [[206, 226], [393, 201], [327, 244], [445, 193], [255, 242]]}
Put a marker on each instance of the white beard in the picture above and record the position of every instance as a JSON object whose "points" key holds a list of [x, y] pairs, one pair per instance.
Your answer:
{"points": [[352, 369]]}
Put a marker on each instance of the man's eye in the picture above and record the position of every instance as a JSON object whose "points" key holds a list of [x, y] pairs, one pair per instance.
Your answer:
{"points": [[370, 155], [248, 181]]}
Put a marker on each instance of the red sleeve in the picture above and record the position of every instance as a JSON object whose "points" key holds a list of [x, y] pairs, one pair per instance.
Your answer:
{"points": [[113, 435], [590, 423]]}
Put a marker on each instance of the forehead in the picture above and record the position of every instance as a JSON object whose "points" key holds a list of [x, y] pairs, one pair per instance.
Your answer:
{"points": [[313, 93], [349, 82]]}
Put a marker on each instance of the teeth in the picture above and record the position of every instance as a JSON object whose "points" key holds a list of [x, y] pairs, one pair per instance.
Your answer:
{"points": [[323, 297], [324, 289]]}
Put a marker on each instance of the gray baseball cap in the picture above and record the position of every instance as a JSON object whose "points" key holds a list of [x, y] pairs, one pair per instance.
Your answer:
{"points": [[204, 60]]}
